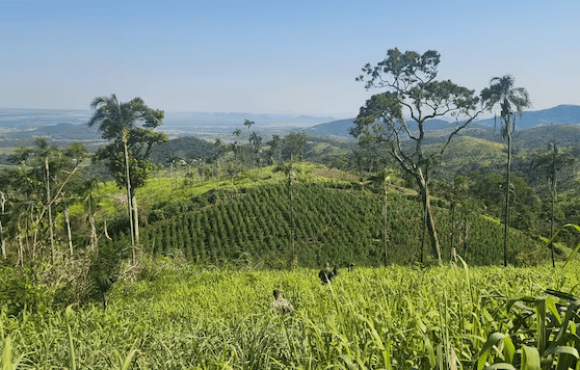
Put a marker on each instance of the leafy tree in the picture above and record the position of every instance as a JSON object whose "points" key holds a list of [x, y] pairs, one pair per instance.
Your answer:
{"points": [[412, 89], [293, 145], [127, 155], [552, 161], [511, 100]]}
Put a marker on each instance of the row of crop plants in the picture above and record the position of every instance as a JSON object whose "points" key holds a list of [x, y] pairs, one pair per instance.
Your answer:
{"points": [[336, 226]]}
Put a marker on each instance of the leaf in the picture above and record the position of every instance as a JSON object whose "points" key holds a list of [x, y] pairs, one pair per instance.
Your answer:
{"points": [[349, 364], [502, 365], [487, 348], [509, 350], [530, 358]]}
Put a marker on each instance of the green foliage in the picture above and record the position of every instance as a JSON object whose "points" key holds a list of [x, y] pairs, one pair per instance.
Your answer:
{"points": [[180, 316], [332, 224]]}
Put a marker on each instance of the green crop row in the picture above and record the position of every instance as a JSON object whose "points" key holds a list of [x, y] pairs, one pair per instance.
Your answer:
{"points": [[331, 225]]}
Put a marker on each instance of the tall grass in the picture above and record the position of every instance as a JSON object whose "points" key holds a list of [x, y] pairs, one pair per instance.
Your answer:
{"points": [[390, 318]]}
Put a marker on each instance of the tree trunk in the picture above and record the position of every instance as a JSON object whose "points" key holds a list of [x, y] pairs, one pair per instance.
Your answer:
{"points": [[67, 223], [429, 219], [507, 196], [431, 228], [20, 251], [105, 230], [136, 217], [466, 239], [552, 222], [93, 235], [385, 222], [52, 250], [2, 241], [129, 200]]}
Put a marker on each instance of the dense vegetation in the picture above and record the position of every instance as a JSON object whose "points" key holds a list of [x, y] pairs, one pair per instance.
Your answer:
{"points": [[89, 279], [180, 316], [335, 221]]}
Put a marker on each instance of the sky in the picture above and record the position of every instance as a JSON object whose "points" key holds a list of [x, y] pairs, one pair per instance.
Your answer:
{"points": [[274, 57]]}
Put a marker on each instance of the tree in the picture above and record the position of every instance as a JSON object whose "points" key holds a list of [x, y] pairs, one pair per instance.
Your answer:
{"points": [[127, 155], [275, 148], [290, 171], [412, 89], [249, 124], [293, 145], [510, 99], [237, 132], [86, 191], [552, 162]]}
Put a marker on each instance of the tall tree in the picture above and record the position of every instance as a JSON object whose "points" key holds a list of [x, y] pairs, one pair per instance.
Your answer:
{"points": [[237, 132], [128, 154], [552, 161], [293, 146], [412, 90], [249, 124], [511, 100]]}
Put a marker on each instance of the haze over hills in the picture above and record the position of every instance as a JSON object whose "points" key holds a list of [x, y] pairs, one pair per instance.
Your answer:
{"points": [[27, 119], [20, 126]]}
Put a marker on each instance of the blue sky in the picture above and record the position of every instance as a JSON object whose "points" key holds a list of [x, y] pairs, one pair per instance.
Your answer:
{"points": [[291, 57]]}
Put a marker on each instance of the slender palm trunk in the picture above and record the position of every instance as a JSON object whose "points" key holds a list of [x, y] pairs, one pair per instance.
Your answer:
{"points": [[105, 230], [129, 200], [52, 249], [2, 241], [136, 217], [507, 196], [20, 250], [552, 221], [67, 224], [93, 235], [452, 228], [385, 223]]}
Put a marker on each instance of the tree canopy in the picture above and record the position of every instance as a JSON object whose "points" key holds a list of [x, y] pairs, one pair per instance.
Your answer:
{"points": [[412, 91]]}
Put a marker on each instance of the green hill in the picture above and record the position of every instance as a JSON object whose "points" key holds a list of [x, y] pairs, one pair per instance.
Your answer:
{"points": [[337, 221]]}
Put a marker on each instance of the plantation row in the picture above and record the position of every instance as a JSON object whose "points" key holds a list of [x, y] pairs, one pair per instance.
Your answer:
{"points": [[331, 225]]}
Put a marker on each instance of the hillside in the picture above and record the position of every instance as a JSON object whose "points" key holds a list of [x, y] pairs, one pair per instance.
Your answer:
{"points": [[338, 221]]}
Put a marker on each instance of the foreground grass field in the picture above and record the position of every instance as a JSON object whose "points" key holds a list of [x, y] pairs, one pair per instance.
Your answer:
{"points": [[185, 317]]}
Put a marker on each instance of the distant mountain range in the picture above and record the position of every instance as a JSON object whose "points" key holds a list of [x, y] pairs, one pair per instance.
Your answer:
{"points": [[19, 127], [26, 119], [530, 119]]}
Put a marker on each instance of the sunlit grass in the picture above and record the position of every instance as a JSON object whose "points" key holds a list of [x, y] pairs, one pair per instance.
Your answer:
{"points": [[189, 317]]}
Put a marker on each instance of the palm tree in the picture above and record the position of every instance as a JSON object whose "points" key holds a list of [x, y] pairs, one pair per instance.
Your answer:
{"points": [[118, 123], [290, 171], [552, 161], [249, 124], [236, 132], [510, 100]]}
